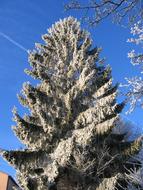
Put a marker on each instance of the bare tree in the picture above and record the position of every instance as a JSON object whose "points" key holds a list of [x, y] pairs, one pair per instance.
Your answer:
{"points": [[120, 11]]}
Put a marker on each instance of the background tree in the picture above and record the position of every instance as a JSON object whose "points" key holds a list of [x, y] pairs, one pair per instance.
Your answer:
{"points": [[135, 177], [135, 84], [121, 11], [68, 136], [134, 95]]}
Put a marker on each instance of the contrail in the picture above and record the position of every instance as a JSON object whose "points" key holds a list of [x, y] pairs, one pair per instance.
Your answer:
{"points": [[13, 41]]}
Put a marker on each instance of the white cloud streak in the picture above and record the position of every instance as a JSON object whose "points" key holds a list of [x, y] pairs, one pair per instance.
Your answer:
{"points": [[13, 42]]}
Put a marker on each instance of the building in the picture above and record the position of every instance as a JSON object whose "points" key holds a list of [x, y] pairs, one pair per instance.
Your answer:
{"points": [[7, 182]]}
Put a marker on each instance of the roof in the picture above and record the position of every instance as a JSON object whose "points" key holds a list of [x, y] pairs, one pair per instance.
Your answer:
{"points": [[9, 178]]}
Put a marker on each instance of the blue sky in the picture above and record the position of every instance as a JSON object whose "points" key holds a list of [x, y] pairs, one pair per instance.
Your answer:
{"points": [[24, 21]]}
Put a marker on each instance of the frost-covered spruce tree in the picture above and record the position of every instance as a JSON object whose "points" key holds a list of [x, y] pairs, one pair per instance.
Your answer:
{"points": [[68, 135]]}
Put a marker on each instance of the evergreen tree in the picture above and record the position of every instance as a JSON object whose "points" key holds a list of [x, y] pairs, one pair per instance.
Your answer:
{"points": [[69, 139]]}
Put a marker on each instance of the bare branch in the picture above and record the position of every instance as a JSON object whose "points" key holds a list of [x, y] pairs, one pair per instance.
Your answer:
{"points": [[96, 11]]}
